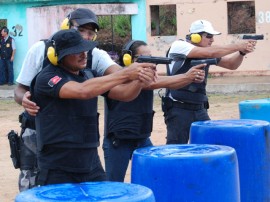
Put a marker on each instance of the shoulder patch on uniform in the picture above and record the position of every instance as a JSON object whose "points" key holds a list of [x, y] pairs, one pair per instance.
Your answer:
{"points": [[54, 81]]}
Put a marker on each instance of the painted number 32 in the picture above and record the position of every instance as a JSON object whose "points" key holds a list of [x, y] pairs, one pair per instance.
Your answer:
{"points": [[17, 30], [264, 17]]}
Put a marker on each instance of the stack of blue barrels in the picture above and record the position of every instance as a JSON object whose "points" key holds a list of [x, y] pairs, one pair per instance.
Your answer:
{"points": [[226, 161]]}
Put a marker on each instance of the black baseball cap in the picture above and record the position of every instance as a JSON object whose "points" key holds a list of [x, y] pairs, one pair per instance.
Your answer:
{"points": [[69, 42], [84, 16]]}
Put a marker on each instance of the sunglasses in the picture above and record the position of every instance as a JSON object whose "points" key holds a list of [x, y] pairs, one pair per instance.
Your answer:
{"points": [[209, 36]]}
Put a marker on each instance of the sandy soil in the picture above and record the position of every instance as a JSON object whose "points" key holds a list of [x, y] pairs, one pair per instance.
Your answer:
{"points": [[221, 107]]}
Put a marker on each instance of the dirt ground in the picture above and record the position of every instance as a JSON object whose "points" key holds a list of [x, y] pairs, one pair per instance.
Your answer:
{"points": [[221, 107]]}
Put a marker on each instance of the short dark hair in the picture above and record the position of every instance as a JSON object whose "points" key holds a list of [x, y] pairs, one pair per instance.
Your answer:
{"points": [[135, 46], [5, 29], [132, 49]]}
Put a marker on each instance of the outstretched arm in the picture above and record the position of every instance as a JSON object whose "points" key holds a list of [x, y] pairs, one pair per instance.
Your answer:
{"points": [[221, 50], [233, 61], [97, 86], [196, 74], [129, 91]]}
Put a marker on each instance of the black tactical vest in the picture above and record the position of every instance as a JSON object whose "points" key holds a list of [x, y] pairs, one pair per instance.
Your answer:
{"points": [[131, 120], [74, 125], [192, 93], [6, 48]]}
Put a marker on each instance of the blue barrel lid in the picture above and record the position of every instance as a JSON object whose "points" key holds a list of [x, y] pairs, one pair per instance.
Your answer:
{"points": [[184, 151], [257, 101], [89, 191]]}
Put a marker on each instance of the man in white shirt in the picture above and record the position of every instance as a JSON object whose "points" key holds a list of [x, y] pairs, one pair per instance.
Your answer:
{"points": [[190, 103]]}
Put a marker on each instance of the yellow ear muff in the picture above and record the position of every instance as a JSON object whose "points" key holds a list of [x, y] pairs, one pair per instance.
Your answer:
{"points": [[195, 38], [51, 54], [95, 37], [127, 59], [65, 24], [127, 53]]}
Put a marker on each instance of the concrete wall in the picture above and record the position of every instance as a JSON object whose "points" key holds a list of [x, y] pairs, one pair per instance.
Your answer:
{"points": [[216, 12]]}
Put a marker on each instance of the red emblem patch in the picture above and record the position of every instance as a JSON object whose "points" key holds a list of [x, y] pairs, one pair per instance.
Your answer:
{"points": [[54, 81]]}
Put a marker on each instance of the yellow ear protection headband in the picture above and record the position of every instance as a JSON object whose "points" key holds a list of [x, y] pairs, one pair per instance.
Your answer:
{"points": [[65, 24], [127, 56], [194, 38], [95, 37], [51, 54]]}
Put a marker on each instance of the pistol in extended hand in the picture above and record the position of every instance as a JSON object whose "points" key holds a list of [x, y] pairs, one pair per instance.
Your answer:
{"points": [[210, 61], [254, 37], [155, 60]]}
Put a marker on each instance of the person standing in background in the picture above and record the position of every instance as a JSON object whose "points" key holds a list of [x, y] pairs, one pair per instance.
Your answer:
{"points": [[7, 53]]}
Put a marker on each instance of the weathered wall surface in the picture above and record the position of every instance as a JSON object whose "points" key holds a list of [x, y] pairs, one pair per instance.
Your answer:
{"points": [[215, 11], [49, 18], [32, 20]]}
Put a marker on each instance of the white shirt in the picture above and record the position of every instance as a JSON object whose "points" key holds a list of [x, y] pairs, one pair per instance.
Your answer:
{"points": [[180, 47], [33, 62]]}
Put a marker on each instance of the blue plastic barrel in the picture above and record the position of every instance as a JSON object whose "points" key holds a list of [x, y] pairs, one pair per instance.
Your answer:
{"points": [[90, 191], [250, 139], [186, 173], [255, 109]]}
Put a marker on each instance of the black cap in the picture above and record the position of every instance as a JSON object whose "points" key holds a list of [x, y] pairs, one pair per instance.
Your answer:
{"points": [[84, 16], [69, 42]]}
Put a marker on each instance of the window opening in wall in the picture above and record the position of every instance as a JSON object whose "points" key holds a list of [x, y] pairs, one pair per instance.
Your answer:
{"points": [[115, 31], [3, 23], [163, 20], [241, 17]]}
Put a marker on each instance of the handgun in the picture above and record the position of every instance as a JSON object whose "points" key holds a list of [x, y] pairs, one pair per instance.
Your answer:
{"points": [[14, 143], [254, 37], [155, 60], [210, 61]]}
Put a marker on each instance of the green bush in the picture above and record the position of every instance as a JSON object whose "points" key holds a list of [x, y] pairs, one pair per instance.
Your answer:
{"points": [[104, 22], [122, 25]]}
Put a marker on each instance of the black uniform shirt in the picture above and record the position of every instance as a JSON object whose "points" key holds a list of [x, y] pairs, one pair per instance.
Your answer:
{"points": [[67, 129]]}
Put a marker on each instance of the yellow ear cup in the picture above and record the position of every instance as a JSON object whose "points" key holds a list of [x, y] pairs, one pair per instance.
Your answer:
{"points": [[195, 38], [52, 56], [127, 59], [94, 38], [65, 24]]}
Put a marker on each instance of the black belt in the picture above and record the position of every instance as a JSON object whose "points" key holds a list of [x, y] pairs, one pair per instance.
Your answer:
{"points": [[190, 106], [116, 141]]}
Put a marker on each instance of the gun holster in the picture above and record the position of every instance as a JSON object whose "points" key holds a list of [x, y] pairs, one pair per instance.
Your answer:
{"points": [[14, 142], [28, 159], [166, 103]]}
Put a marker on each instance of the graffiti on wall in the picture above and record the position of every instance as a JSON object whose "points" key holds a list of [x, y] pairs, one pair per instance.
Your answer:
{"points": [[16, 31]]}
